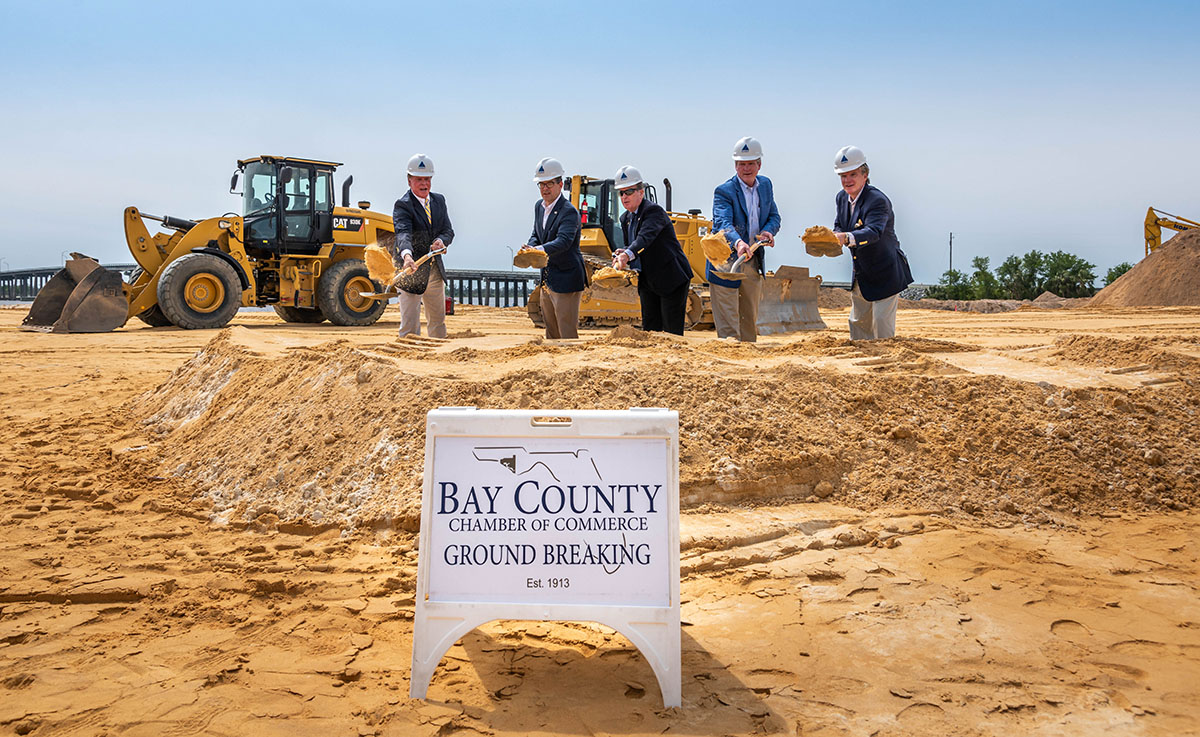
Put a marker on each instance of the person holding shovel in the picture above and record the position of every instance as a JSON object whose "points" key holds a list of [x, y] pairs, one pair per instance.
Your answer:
{"points": [[556, 232], [422, 226], [654, 252], [866, 224], [743, 207]]}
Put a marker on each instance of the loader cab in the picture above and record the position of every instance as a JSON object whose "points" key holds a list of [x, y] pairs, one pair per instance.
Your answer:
{"points": [[604, 207], [287, 204]]}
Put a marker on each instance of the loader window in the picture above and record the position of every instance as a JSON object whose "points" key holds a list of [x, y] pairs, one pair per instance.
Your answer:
{"points": [[298, 204], [258, 203]]}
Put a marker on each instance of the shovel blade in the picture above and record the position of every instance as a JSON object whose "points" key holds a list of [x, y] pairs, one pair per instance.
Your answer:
{"points": [[83, 297]]}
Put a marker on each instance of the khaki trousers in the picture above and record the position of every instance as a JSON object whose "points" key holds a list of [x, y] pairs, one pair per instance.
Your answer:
{"points": [[561, 310], [735, 309], [434, 299], [872, 320]]}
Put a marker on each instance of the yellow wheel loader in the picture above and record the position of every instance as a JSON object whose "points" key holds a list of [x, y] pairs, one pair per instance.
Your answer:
{"points": [[789, 300], [291, 248]]}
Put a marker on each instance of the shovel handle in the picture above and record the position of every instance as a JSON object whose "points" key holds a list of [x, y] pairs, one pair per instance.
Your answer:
{"points": [[417, 264]]}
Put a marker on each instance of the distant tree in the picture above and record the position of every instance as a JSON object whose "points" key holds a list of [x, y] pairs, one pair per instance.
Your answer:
{"points": [[1021, 277], [983, 284], [953, 285], [1067, 275], [1115, 272]]}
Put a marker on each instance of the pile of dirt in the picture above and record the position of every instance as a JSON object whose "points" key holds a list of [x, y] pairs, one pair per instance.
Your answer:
{"points": [[334, 435], [833, 298], [379, 264], [1168, 277]]}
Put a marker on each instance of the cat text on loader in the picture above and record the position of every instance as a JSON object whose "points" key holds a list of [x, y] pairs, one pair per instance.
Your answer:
{"points": [[789, 298], [291, 249]]}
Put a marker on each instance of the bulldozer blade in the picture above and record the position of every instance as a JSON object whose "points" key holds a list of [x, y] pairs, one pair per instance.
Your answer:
{"points": [[789, 302], [83, 297]]}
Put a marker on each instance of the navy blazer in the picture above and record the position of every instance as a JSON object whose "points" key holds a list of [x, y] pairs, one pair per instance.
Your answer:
{"points": [[880, 267], [415, 233], [657, 254], [564, 271], [731, 216]]}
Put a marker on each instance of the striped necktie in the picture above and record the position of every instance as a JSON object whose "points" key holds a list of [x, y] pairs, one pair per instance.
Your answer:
{"points": [[428, 214]]}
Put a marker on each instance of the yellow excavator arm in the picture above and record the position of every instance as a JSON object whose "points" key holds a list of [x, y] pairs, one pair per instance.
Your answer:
{"points": [[1156, 220]]}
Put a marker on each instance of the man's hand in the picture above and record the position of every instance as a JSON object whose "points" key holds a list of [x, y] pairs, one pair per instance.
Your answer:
{"points": [[766, 239], [409, 264], [843, 238], [437, 244], [621, 260], [743, 248]]}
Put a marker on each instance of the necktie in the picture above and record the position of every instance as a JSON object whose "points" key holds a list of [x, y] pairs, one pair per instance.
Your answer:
{"points": [[428, 214]]}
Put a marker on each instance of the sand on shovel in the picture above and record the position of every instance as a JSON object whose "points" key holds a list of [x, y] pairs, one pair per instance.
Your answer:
{"points": [[821, 241], [379, 264], [530, 258], [716, 248]]}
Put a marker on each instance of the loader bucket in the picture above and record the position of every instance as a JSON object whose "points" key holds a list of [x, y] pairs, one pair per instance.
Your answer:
{"points": [[789, 302], [83, 297]]}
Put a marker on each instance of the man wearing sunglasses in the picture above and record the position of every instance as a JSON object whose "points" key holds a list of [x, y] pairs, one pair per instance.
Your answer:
{"points": [[556, 231], [664, 273], [743, 207]]}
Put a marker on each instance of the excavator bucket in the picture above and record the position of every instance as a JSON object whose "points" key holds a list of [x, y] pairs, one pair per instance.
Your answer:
{"points": [[789, 302], [83, 297]]}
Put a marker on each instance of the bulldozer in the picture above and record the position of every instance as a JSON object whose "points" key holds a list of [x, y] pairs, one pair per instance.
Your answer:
{"points": [[1156, 220], [789, 300], [291, 249]]}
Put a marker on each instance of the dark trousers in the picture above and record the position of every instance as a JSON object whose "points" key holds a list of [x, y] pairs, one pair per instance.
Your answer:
{"points": [[663, 313]]}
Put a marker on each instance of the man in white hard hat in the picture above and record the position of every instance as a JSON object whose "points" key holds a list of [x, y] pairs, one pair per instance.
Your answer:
{"points": [[866, 224], [422, 225], [556, 231], [664, 274], [743, 207]]}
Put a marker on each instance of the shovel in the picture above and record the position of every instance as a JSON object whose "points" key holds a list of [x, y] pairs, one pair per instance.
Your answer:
{"points": [[733, 274], [403, 272]]}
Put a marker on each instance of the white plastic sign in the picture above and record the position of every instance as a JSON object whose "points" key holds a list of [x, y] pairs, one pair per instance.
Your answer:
{"points": [[550, 515]]}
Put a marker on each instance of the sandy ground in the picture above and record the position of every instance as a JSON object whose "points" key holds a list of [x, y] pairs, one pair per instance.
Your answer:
{"points": [[984, 527]]}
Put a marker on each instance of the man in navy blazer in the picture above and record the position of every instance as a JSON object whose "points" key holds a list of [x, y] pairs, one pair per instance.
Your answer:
{"points": [[743, 207], [422, 224], [664, 274], [556, 231], [866, 223]]}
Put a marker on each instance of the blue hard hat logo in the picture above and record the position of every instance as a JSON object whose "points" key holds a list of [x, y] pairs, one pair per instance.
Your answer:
{"points": [[844, 159], [541, 169], [745, 147], [624, 175], [421, 165]]}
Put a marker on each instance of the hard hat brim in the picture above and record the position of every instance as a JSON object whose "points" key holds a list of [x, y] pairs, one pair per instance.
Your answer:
{"points": [[421, 175], [743, 157], [848, 168], [539, 180]]}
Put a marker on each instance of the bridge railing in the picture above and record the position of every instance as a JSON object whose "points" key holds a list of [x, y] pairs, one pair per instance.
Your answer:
{"points": [[472, 287]]}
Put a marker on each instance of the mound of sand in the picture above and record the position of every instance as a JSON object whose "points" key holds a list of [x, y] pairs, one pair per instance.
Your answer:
{"points": [[821, 241], [833, 298], [1168, 277], [333, 435]]}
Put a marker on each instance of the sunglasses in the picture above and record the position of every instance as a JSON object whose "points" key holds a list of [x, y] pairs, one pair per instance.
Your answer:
{"points": [[631, 190]]}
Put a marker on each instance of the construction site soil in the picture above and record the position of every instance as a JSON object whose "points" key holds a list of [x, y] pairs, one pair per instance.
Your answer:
{"points": [[1169, 276], [985, 526]]}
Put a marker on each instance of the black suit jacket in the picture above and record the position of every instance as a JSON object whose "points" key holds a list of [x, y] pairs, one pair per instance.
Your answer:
{"points": [[658, 256], [415, 233], [564, 271], [880, 267]]}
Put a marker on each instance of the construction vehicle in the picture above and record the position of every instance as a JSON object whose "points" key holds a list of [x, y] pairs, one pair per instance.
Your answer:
{"points": [[291, 248], [789, 300], [1156, 220]]}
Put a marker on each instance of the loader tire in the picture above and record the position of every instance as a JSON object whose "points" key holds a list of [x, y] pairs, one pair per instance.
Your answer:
{"points": [[338, 292], [199, 291], [153, 316], [299, 314]]}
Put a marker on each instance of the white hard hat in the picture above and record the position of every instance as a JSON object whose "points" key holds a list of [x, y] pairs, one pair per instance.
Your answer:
{"points": [[747, 149], [848, 158], [420, 165], [626, 177], [547, 169]]}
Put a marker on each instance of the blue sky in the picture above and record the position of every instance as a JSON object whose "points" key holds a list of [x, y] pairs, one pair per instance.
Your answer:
{"points": [[1015, 125]]}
